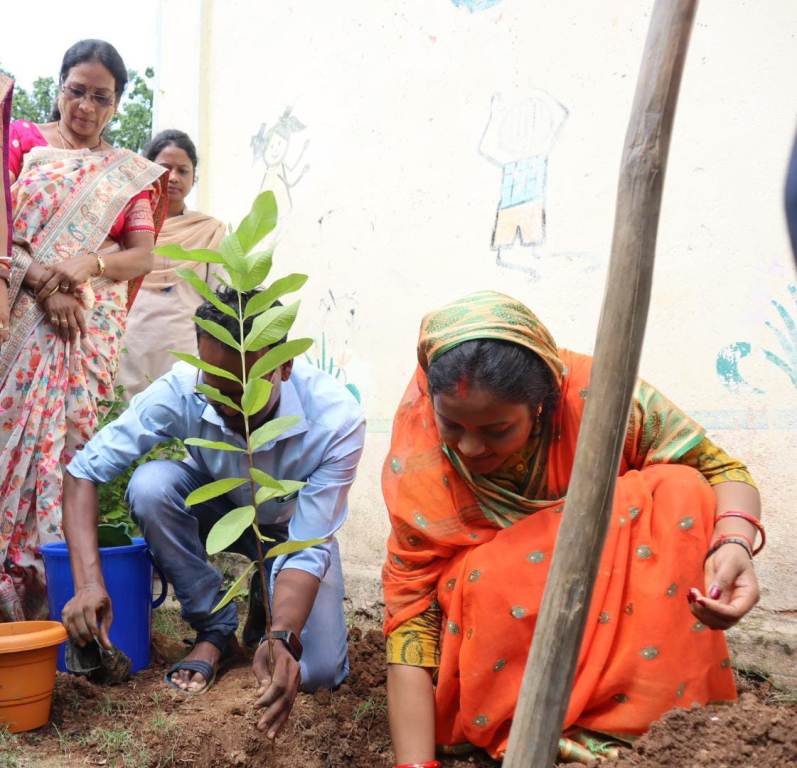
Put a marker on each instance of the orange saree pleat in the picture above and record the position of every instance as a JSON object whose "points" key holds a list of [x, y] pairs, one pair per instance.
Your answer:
{"points": [[642, 653]]}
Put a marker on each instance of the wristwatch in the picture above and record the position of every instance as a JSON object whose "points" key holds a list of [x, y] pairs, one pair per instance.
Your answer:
{"points": [[289, 640]]}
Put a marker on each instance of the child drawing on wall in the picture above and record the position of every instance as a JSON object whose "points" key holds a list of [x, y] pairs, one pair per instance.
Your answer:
{"points": [[333, 352], [518, 138], [272, 146], [475, 5], [783, 328]]}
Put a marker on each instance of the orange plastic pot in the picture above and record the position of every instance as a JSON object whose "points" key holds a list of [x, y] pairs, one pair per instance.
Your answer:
{"points": [[27, 672]]}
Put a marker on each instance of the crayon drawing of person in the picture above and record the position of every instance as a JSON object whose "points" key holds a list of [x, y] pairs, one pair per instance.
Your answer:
{"points": [[518, 138], [272, 146]]}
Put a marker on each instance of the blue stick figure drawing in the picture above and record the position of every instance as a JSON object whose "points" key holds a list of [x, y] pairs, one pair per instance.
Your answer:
{"points": [[475, 5], [518, 138]]}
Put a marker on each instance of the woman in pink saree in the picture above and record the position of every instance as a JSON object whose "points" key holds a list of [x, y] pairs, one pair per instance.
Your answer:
{"points": [[6, 91], [84, 220]]}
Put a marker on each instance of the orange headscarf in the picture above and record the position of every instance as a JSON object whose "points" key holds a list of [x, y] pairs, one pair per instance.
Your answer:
{"points": [[436, 506]]}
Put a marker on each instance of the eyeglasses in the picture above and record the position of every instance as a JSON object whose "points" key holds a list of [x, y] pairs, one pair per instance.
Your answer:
{"points": [[73, 93]]}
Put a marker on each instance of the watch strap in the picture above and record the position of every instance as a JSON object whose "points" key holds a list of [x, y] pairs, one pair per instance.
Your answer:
{"points": [[289, 640]]}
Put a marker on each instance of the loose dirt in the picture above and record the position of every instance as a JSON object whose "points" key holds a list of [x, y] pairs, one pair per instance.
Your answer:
{"points": [[143, 724]]}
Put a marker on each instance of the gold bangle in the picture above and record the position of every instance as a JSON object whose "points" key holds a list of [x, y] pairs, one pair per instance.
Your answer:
{"points": [[100, 265]]}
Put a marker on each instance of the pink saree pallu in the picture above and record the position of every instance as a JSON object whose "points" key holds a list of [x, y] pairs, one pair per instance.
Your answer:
{"points": [[64, 201], [6, 92]]}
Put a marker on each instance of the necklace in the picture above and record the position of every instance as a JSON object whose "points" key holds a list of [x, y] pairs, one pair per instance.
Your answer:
{"points": [[65, 141]]}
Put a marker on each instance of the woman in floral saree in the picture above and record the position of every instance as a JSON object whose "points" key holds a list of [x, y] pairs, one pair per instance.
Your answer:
{"points": [[85, 216], [479, 464]]}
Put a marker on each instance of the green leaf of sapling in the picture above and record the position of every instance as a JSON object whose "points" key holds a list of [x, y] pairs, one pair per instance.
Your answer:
{"points": [[238, 586], [218, 332], [288, 547], [290, 486], [224, 280], [260, 220], [214, 489], [258, 267], [279, 489], [233, 253], [255, 396], [278, 355], [203, 366], [271, 430], [204, 290], [178, 253], [228, 529], [262, 300], [214, 444], [263, 478], [265, 494], [270, 327], [214, 394]]}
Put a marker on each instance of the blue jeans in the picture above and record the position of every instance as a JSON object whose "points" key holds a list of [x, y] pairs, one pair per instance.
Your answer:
{"points": [[176, 536]]}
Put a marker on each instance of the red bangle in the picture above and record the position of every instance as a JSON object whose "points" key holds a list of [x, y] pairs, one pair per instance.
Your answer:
{"points": [[722, 536], [754, 521], [722, 541], [427, 764]]}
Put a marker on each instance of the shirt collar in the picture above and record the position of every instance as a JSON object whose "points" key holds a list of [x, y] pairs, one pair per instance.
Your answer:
{"points": [[289, 405]]}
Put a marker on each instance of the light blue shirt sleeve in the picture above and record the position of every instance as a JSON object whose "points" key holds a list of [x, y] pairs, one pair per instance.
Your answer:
{"points": [[154, 416], [322, 504]]}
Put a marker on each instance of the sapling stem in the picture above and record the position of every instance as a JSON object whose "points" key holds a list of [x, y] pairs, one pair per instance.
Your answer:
{"points": [[261, 568]]}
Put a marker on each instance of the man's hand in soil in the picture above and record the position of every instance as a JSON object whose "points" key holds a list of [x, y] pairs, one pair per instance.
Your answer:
{"points": [[275, 694], [731, 586], [88, 615]]}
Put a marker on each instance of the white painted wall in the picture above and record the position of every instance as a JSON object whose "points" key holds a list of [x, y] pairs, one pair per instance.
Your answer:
{"points": [[395, 214]]}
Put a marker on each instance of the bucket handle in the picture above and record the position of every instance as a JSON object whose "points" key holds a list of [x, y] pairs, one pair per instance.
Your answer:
{"points": [[164, 584]]}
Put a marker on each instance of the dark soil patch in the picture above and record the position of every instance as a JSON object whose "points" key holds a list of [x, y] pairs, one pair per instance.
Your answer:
{"points": [[142, 724], [760, 729]]}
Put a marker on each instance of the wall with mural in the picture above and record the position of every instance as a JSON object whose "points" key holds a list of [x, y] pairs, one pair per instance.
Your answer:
{"points": [[424, 149], [777, 346]]}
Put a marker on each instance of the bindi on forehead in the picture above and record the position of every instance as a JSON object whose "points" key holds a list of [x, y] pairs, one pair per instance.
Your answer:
{"points": [[461, 388]]}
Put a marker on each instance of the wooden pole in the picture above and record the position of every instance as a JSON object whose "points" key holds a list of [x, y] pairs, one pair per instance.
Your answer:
{"points": [[550, 669]]}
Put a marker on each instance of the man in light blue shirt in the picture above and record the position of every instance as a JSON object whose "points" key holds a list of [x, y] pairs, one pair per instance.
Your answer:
{"points": [[322, 449]]}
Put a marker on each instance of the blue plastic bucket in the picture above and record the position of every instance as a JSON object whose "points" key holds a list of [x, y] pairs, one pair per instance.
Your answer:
{"points": [[128, 578]]}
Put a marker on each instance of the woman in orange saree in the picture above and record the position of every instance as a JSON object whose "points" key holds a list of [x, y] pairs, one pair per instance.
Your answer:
{"points": [[480, 459], [85, 216]]}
